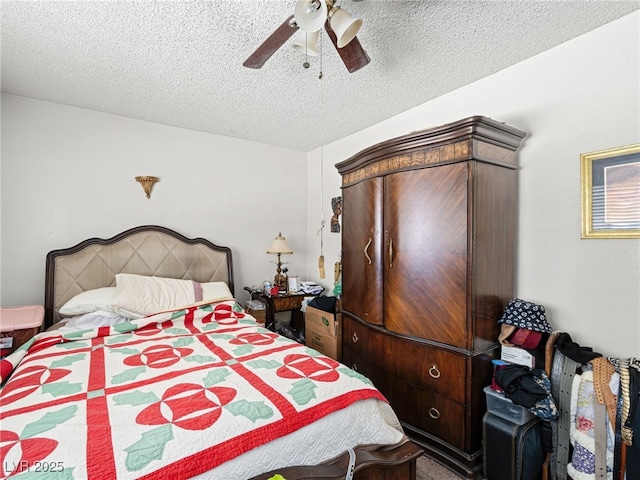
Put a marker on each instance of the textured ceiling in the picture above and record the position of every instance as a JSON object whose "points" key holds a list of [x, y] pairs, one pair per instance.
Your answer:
{"points": [[180, 62]]}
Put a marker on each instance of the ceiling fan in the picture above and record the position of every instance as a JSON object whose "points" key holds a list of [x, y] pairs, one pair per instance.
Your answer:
{"points": [[309, 17]]}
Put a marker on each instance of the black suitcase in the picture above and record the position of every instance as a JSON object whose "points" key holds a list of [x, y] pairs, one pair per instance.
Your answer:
{"points": [[512, 451]]}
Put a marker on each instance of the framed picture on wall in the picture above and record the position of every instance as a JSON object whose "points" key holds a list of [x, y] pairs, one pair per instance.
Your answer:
{"points": [[610, 187]]}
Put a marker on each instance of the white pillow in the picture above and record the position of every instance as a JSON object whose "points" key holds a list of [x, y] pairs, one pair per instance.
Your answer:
{"points": [[215, 292], [89, 301], [148, 295]]}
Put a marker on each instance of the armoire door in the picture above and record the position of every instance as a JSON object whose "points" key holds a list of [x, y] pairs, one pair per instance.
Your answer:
{"points": [[426, 246], [362, 207]]}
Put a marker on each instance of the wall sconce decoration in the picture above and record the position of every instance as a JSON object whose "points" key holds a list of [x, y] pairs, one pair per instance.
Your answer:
{"points": [[280, 247], [147, 183]]}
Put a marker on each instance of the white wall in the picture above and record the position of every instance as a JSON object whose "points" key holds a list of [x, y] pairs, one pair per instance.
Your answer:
{"points": [[68, 174], [579, 97]]}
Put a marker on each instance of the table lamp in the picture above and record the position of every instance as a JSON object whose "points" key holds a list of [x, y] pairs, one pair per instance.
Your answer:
{"points": [[280, 247]]}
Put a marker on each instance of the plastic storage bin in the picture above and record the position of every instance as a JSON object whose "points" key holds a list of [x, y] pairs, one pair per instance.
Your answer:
{"points": [[504, 408], [18, 325]]}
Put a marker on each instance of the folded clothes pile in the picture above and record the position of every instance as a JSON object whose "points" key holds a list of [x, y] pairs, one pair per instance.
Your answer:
{"points": [[528, 387], [311, 288]]}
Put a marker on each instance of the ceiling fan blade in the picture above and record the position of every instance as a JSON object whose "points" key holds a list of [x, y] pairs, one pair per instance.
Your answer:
{"points": [[263, 53], [352, 54]]}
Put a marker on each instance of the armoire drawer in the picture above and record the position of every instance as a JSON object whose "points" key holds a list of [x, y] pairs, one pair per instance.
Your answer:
{"points": [[414, 362], [425, 409], [355, 335], [354, 360], [427, 367]]}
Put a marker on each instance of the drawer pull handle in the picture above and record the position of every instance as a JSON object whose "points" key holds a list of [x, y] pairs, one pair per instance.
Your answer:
{"points": [[434, 372], [366, 248], [355, 337], [391, 253], [354, 367], [434, 413]]}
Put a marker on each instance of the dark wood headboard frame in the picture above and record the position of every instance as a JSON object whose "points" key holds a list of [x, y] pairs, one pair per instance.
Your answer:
{"points": [[97, 244]]}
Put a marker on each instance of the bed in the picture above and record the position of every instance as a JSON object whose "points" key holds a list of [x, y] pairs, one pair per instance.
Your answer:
{"points": [[180, 382]]}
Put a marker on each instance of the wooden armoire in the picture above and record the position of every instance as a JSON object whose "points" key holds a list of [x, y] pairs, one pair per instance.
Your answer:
{"points": [[428, 264]]}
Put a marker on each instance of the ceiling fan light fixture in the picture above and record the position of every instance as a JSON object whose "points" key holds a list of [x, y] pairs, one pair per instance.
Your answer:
{"points": [[310, 15], [344, 25], [306, 42], [350, 51]]}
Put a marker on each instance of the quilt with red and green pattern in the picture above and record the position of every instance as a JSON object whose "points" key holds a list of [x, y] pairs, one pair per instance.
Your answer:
{"points": [[172, 395]]}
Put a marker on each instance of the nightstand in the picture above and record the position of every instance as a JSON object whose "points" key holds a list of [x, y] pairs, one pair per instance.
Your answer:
{"points": [[283, 302], [18, 325]]}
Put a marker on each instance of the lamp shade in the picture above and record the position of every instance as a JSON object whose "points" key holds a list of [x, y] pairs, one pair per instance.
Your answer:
{"points": [[310, 15], [307, 42], [280, 246], [345, 26]]}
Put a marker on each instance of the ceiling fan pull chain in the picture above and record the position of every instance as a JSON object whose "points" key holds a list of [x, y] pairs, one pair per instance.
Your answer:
{"points": [[306, 63], [320, 75]]}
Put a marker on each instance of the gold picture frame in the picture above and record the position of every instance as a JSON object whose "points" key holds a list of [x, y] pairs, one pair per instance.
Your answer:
{"points": [[610, 188]]}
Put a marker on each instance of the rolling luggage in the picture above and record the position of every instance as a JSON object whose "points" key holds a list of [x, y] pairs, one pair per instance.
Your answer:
{"points": [[512, 451]]}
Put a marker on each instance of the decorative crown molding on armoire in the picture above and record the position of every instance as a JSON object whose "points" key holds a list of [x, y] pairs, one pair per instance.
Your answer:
{"points": [[429, 255]]}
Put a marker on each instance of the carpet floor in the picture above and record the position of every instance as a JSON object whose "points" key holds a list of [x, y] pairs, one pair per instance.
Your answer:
{"points": [[428, 469]]}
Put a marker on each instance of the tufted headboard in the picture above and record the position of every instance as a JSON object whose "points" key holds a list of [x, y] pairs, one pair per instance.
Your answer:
{"points": [[144, 250]]}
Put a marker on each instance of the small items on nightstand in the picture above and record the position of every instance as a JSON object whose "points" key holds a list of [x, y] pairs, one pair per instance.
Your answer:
{"points": [[293, 284], [18, 325]]}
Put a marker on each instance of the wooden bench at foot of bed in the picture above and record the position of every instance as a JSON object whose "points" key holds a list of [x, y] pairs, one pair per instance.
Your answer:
{"points": [[395, 462]]}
